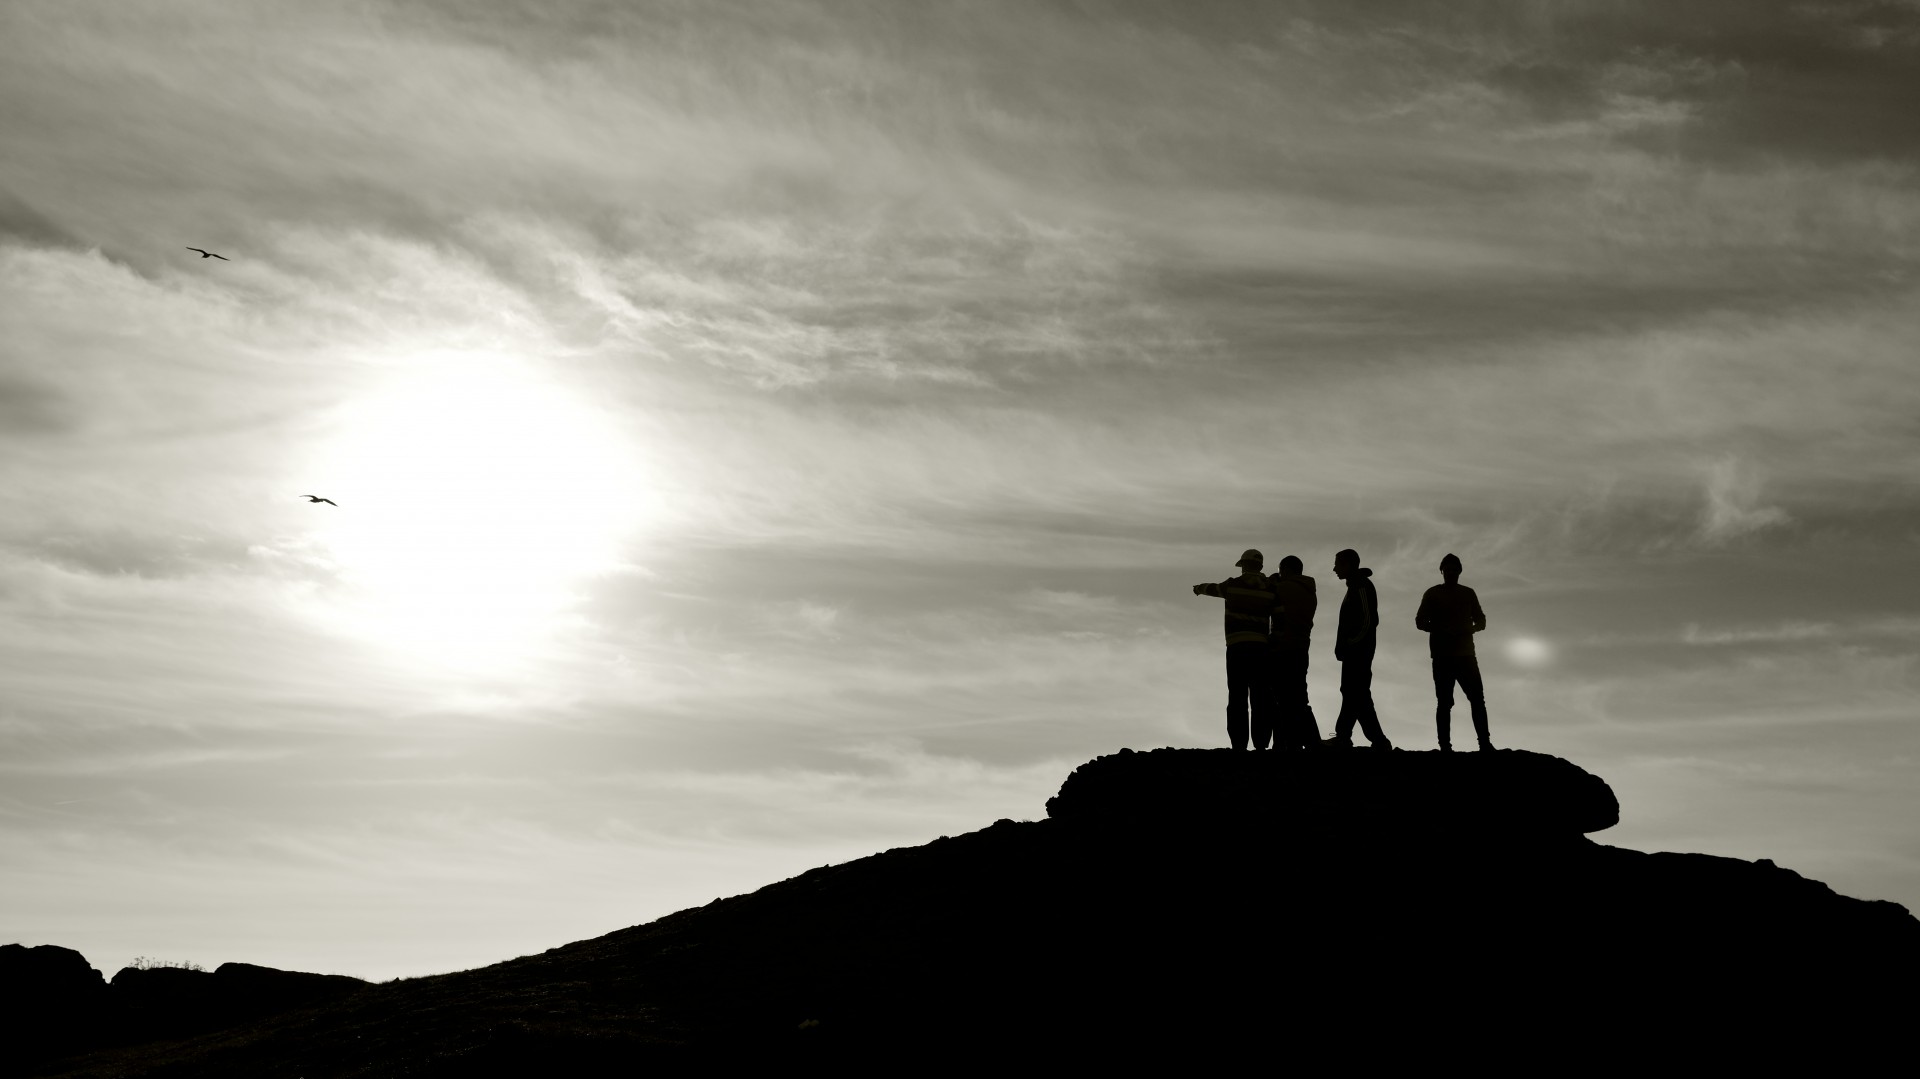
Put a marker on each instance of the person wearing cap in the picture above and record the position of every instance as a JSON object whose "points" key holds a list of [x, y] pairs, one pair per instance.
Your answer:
{"points": [[1249, 602], [1353, 647], [1294, 603], [1450, 613]]}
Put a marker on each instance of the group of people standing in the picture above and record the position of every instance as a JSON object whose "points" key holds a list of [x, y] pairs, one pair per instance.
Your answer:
{"points": [[1269, 624]]}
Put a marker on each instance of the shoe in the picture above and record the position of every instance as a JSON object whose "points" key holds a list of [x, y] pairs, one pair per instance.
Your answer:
{"points": [[1385, 747], [1337, 743], [1445, 748], [1486, 747]]}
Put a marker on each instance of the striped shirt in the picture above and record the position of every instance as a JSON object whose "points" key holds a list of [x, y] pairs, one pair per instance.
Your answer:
{"points": [[1249, 608]]}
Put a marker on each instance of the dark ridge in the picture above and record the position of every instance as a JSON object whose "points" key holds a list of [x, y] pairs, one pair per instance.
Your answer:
{"points": [[1178, 907]]}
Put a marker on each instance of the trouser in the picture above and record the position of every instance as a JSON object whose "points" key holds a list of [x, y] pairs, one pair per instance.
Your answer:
{"points": [[1248, 691], [1293, 713], [1465, 670], [1356, 701]]}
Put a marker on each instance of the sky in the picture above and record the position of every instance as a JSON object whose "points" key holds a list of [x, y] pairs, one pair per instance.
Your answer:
{"points": [[764, 434]]}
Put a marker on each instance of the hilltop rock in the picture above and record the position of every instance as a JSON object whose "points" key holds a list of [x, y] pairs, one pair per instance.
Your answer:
{"points": [[1507, 793]]}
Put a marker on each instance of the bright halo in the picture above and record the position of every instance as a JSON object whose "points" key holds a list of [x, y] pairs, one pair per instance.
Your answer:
{"points": [[1529, 651], [475, 496]]}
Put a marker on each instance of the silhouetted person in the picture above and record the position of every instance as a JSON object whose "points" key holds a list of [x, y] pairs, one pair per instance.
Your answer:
{"points": [[1249, 609], [1295, 600], [1359, 617], [1450, 613]]}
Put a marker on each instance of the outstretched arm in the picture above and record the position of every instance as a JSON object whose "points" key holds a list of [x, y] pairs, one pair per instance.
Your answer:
{"points": [[1207, 590]]}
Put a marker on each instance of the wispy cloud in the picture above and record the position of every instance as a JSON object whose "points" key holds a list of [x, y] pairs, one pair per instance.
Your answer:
{"points": [[1784, 632], [1733, 508]]}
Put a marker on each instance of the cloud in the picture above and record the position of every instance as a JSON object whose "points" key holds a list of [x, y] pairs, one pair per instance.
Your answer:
{"points": [[19, 221], [1733, 509], [802, 618], [1785, 632], [1077, 606], [29, 407]]}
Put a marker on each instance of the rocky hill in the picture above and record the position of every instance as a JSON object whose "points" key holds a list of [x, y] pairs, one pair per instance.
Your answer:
{"points": [[1381, 908]]}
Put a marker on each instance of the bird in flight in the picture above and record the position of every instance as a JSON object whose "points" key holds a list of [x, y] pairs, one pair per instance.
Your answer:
{"points": [[210, 255], [317, 498]]}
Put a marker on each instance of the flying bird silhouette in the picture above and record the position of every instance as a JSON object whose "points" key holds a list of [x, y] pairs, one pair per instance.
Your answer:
{"points": [[317, 498], [210, 255]]}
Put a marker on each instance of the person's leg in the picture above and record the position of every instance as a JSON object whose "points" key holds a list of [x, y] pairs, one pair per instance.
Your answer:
{"points": [[1443, 701], [1263, 704], [1354, 678], [1280, 685], [1309, 726], [1369, 719], [1356, 699], [1294, 725], [1279, 700], [1476, 693], [1238, 683]]}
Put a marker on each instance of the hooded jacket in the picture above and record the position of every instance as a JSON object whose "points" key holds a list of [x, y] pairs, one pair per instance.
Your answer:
{"points": [[1359, 615]]}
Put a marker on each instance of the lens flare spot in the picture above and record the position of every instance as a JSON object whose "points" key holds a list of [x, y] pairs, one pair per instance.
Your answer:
{"points": [[1529, 651]]}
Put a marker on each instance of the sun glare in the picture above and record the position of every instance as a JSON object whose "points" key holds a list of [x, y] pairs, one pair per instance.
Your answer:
{"points": [[475, 496]]}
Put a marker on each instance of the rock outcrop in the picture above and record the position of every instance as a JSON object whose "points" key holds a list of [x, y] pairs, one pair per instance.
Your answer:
{"points": [[1364, 909], [57, 1004], [1507, 794], [172, 1001], [53, 1001]]}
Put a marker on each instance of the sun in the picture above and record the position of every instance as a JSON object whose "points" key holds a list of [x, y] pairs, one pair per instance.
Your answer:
{"points": [[475, 497]]}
